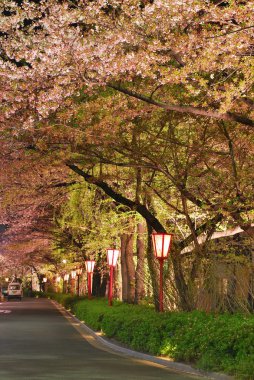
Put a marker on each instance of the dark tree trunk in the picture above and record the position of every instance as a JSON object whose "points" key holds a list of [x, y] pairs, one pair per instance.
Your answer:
{"points": [[140, 269], [124, 269], [186, 300], [152, 268], [99, 284], [130, 266]]}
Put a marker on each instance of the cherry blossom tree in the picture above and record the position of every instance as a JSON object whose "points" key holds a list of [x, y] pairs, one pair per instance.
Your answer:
{"points": [[150, 101], [187, 57]]}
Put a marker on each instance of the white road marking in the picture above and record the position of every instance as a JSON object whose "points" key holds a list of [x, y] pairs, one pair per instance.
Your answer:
{"points": [[5, 311]]}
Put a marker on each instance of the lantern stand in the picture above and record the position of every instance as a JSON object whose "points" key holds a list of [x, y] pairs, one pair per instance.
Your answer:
{"points": [[112, 256], [73, 281], [89, 268], [63, 289], [66, 279], [161, 244], [57, 282], [78, 271]]}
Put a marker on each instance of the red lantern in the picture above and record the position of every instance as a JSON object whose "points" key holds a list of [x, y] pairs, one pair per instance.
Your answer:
{"points": [[58, 279], [161, 244], [112, 256], [73, 274], [79, 272], [90, 268]]}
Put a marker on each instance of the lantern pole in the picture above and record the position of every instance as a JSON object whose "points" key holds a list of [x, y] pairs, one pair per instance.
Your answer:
{"points": [[110, 293], [161, 244], [161, 286], [78, 286], [89, 267], [112, 256], [89, 275], [78, 271]]}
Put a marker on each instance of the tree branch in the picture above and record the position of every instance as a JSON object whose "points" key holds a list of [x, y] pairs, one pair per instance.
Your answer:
{"points": [[120, 199], [208, 224], [231, 32], [199, 111]]}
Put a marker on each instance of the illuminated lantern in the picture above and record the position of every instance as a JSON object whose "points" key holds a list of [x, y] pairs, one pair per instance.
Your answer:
{"points": [[112, 256], [161, 245]]}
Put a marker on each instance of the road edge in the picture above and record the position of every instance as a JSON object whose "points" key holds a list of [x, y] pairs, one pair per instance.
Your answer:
{"points": [[175, 366]]}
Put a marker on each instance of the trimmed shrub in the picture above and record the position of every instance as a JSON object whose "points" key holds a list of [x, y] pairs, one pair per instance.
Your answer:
{"points": [[214, 342]]}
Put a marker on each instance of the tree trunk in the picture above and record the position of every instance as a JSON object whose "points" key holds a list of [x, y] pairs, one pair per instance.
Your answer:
{"points": [[99, 284], [124, 268], [152, 268], [130, 266], [140, 269], [186, 301]]}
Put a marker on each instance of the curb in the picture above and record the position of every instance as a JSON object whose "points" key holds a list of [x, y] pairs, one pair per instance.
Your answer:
{"points": [[118, 349]]}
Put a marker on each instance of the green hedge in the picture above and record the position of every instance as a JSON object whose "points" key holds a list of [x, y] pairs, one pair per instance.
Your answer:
{"points": [[223, 342]]}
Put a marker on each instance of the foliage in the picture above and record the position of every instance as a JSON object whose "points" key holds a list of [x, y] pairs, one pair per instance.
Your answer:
{"points": [[215, 342], [182, 158], [192, 53], [92, 220]]}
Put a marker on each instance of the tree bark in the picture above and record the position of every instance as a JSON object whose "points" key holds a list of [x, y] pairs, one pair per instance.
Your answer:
{"points": [[130, 266], [186, 301], [152, 268], [140, 269], [124, 269]]}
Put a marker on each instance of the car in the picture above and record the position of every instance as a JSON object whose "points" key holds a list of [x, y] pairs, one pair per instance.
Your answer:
{"points": [[14, 291]]}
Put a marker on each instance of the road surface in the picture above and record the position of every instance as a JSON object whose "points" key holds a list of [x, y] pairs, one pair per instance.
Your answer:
{"points": [[38, 342]]}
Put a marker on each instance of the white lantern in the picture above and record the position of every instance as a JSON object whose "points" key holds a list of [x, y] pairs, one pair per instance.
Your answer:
{"points": [[73, 274], [90, 266], [161, 244], [112, 256]]}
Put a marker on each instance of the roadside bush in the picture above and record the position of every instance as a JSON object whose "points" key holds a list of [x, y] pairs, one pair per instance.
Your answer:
{"points": [[33, 293], [214, 342]]}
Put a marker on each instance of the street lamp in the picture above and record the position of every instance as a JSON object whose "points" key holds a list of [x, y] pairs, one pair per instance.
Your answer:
{"points": [[44, 280], [73, 274], [79, 272], [161, 244], [66, 279], [89, 268], [73, 281], [112, 256], [58, 279]]}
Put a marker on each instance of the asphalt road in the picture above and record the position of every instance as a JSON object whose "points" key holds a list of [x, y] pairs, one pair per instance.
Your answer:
{"points": [[38, 342]]}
